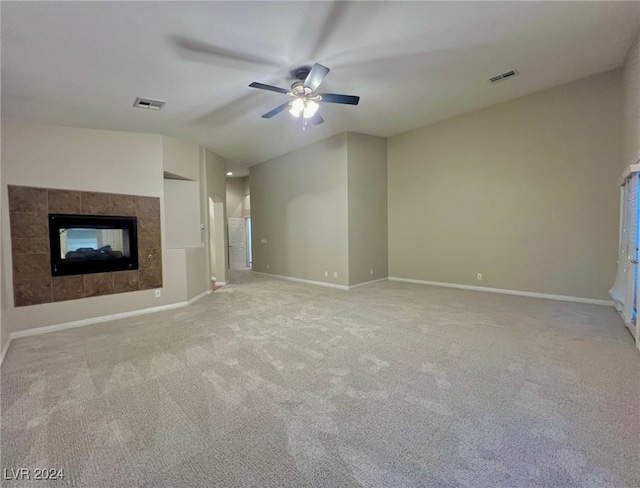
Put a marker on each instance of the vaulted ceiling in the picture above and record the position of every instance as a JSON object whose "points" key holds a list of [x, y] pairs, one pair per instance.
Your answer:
{"points": [[412, 63]]}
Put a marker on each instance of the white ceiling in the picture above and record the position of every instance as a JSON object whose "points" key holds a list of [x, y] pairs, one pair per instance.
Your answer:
{"points": [[412, 63]]}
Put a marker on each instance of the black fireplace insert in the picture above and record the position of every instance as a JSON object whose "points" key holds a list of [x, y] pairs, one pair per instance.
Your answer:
{"points": [[82, 244]]}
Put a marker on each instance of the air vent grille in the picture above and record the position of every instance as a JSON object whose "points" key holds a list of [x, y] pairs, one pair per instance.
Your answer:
{"points": [[149, 103], [503, 76]]}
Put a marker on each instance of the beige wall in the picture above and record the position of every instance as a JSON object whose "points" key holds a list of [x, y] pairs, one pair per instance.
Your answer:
{"points": [[246, 192], [367, 203], [197, 276], [631, 83], [180, 158], [235, 198], [182, 214], [183, 203], [213, 174], [92, 160], [524, 192], [246, 187], [299, 205]]}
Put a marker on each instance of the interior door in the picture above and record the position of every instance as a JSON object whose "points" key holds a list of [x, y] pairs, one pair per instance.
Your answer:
{"points": [[237, 243]]}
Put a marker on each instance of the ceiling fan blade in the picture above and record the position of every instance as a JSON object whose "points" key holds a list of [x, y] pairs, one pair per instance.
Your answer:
{"points": [[316, 119], [337, 98], [315, 76], [262, 86], [276, 110], [203, 51]]}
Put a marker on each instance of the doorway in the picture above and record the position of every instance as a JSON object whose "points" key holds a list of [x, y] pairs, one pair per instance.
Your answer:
{"points": [[249, 250], [237, 243], [217, 269]]}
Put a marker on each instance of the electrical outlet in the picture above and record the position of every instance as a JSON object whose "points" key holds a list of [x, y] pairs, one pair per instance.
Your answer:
{"points": [[263, 241], [267, 265], [479, 276], [326, 273], [158, 293], [335, 274], [371, 271]]}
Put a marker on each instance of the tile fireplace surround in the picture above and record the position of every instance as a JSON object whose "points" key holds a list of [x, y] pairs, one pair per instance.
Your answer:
{"points": [[32, 281]]}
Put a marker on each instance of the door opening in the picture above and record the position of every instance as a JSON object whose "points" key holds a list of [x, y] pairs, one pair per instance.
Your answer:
{"points": [[249, 250], [237, 243]]}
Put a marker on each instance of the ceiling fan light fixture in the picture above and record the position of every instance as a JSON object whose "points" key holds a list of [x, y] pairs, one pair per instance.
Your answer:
{"points": [[303, 107], [297, 107], [310, 109]]}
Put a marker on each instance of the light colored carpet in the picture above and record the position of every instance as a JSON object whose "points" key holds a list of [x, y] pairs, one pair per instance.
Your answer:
{"points": [[271, 383]]}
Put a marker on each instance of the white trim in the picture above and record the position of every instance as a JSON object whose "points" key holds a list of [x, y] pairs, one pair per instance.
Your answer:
{"points": [[104, 318], [321, 283], [358, 285], [221, 283], [4, 351], [300, 280], [634, 167], [563, 298], [198, 297]]}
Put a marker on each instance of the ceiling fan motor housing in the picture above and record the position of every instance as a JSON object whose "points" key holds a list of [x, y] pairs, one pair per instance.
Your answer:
{"points": [[299, 90], [301, 73]]}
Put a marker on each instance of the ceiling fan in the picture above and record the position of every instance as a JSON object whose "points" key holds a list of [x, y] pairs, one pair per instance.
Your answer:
{"points": [[306, 100]]}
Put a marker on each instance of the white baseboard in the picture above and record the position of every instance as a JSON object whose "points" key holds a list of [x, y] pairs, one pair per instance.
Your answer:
{"points": [[198, 297], [322, 283], [358, 285], [300, 280], [563, 298], [104, 318], [4, 351]]}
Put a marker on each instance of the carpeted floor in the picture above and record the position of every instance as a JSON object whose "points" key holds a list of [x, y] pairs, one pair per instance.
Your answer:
{"points": [[269, 383]]}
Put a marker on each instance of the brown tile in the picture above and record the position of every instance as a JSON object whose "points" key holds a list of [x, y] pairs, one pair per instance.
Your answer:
{"points": [[67, 288], [148, 207], [150, 268], [64, 202], [27, 267], [149, 258], [27, 199], [122, 205], [25, 225], [30, 246], [124, 281], [32, 292], [151, 241], [97, 284], [95, 203], [150, 278], [148, 226]]}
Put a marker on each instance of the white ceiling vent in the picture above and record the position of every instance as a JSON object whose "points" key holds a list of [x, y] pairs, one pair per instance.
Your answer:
{"points": [[149, 103], [503, 76]]}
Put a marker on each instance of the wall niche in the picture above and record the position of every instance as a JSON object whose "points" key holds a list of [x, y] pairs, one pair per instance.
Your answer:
{"points": [[33, 283]]}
